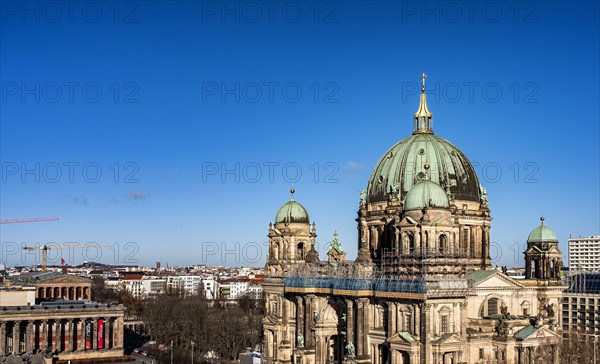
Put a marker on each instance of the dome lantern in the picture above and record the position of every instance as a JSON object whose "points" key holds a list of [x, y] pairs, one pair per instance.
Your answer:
{"points": [[423, 117]]}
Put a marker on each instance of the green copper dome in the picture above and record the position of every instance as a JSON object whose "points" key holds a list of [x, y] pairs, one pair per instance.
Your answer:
{"points": [[426, 194], [542, 234], [403, 166], [292, 212]]}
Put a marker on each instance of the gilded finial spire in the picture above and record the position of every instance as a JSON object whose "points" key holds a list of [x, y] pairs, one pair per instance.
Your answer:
{"points": [[292, 191], [542, 219], [423, 116]]}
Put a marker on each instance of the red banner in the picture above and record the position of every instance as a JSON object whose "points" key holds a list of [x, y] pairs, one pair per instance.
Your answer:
{"points": [[100, 334]]}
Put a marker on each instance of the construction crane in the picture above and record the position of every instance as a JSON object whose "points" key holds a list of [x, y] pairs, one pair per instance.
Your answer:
{"points": [[44, 248], [36, 219]]}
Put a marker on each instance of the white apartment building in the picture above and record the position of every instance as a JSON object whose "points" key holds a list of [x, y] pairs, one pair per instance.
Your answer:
{"points": [[134, 286], [153, 286], [208, 287], [235, 288], [255, 289], [584, 254], [191, 285]]}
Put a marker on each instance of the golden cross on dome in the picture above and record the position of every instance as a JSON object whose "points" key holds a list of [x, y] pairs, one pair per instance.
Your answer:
{"points": [[423, 76]]}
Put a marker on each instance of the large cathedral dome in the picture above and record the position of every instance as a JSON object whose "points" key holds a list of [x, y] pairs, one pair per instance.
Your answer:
{"points": [[403, 165]]}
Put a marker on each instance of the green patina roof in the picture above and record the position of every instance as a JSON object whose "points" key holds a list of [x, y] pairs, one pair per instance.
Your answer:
{"points": [[403, 166], [426, 194], [541, 234], [292, 211], [406, 336], [479, 275], [443, 338], [525, 332], [34, 277]]}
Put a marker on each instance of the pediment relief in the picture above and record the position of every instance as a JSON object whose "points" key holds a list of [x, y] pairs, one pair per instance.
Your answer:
{"points": [[443, 221], [541, 333], [498, 280], [448, 339], [409, 221]]}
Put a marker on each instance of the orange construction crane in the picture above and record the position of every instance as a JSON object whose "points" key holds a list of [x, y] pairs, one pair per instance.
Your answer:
{"points": [[44, 248], [36, 219]]}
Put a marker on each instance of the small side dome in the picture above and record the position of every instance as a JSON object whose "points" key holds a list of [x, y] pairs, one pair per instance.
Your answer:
{"points": [[542, 234], [426, 194], [292, 212]]}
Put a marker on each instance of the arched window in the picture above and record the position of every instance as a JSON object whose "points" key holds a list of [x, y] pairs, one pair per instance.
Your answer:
{"points": [[526, 308], [492, 306], [300, 251], [442, 243], [411, 243]]}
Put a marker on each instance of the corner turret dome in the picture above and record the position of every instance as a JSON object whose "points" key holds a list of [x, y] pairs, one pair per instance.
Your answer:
{"points": [[543, 234], [426, 194], [292, 212]]}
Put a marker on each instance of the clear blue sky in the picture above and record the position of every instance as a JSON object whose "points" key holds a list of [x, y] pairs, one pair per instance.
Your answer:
{"points": [[156, 96]]}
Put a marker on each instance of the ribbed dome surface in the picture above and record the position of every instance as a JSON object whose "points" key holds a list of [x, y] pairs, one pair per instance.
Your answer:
{"points": [[541, 234], [426, 194], [402, 166], [292, 211]]}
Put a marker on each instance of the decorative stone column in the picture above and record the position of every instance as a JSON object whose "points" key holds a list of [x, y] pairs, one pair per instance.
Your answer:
{"points": [[30, 337], [350, 322], [119, 331], [360, 318], [308, 322], [95, 334], [2, 337], [43, 335], [425, 325], [299, 320], [285, 318], [107, 333], [416, 324], [70, 340], [79, 327], [362, 328], [58, 335], [16, 337], [391, 321]]}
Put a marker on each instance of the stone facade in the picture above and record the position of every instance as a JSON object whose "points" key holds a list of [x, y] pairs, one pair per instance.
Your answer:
{"points": [[68, 331], [422, 289], [57, 329]]}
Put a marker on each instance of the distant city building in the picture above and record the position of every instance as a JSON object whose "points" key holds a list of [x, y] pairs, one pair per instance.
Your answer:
{"points": [[189, 285], [208, 287], [581, 305], [153, 286], [584, 254], [132, 283]]}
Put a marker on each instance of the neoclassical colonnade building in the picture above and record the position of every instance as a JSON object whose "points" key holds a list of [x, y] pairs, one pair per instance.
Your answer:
{"points": [[422, 288], [57, 329]]}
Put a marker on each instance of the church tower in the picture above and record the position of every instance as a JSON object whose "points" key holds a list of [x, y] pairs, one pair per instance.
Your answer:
{"points": [[542, 257], [291, 238]]}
